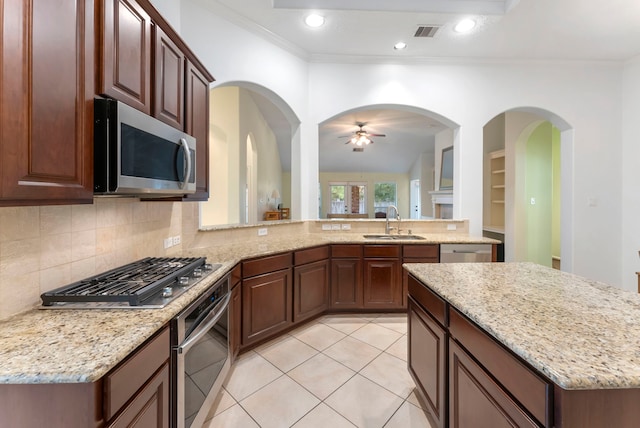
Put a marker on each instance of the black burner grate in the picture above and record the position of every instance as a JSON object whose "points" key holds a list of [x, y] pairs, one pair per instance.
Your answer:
{"points": [[131, 283]]}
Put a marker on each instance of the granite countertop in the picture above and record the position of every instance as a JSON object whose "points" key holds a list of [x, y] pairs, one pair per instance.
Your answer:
{"points": [[68, 346], [581, 334]]}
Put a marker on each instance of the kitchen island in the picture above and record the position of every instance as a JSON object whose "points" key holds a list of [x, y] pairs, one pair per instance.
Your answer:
{"points": [[517, 344]]}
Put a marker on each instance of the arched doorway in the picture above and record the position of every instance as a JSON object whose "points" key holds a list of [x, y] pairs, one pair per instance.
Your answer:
{"points": [[527, 184]]}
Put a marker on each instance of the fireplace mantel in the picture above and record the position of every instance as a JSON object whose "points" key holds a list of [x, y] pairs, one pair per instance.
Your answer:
{"points": [[442, 201]]}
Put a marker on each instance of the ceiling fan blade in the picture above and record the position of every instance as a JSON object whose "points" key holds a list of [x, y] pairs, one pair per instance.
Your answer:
{"points": [[376, 135]]}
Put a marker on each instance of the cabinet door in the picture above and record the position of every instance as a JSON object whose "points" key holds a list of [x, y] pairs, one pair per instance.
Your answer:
{"points": [[346, 283], [235, 316], [266, 305], [124, 67], [427, 362], [382, 287], [150, 407], [169, 64], [197, 125], [310, 290], [476, 400], [46, 102]]}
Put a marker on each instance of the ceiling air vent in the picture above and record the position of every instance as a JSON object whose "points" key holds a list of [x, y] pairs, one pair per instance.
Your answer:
{"points": [[358, 149], [426, 31]]}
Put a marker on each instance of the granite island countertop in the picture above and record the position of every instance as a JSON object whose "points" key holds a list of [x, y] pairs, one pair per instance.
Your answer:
{"points": [[580, 333], [70, 346]]}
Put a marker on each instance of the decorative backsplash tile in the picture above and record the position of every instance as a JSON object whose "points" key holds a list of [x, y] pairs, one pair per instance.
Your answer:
{"points": [[42, 248]]}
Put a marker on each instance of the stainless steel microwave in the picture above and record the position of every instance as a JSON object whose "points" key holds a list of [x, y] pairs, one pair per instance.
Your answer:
{"points": [[138, 155]]}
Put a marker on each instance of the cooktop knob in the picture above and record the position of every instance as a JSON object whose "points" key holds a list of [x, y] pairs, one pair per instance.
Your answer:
{"points": [[167, 292], [183, 280], [197, 273]]}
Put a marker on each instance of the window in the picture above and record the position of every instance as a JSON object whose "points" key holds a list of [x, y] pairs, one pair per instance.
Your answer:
{"points": [[348, 198], [384, 194]]}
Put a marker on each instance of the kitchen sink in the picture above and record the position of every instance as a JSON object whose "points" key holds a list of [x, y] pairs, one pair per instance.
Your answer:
{"points": [[395, 237]]}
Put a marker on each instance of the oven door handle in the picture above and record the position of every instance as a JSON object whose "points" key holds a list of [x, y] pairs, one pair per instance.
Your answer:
{"points": [[205, 326]]}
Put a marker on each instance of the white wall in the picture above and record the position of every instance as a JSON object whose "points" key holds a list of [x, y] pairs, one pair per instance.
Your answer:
{"points": [[588, 96], [630, 181]]}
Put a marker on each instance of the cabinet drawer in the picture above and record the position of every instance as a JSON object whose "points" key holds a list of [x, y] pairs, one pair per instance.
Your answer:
{"points": [[346, 251], [382, 251], [310, 255], [266, 265], [421, 251], [123, 382], [531, 390], [428, 300]]}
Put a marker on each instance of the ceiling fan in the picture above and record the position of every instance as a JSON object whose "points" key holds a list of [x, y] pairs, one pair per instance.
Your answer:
{"points": [[361, 137]]}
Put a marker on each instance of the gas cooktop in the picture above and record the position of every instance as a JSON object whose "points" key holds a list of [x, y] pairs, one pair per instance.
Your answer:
{"points": [[152, 282]]}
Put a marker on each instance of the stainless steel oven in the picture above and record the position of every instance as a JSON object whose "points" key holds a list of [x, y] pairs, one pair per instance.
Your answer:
{"points": [[200, 355]]}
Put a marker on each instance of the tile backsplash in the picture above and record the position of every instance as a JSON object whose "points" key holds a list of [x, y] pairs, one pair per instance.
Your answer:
{"points": [[42, 248]]}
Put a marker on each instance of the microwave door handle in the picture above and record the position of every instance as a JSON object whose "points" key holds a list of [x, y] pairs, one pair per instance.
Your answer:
{"points": [[187, 159], [203, 329]]}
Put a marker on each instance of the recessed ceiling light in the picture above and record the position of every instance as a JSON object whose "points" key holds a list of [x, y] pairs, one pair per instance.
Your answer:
{"points": [[314, 20], [464, 25], [399, 46]]}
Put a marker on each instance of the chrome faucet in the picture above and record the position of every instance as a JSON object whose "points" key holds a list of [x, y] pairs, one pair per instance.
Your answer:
{"points": [[388, 228]]}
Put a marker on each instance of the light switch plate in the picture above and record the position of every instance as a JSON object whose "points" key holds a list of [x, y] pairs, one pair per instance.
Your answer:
{"points": [[326, 227], [346, 227], [451, 227], [335, 227], [262, 231]]}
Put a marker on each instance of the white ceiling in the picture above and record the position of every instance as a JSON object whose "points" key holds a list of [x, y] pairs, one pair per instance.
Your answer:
{"points": [[366, 30]]}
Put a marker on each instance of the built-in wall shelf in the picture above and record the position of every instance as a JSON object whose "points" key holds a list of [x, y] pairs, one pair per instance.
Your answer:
{"points": [[497, 185]]}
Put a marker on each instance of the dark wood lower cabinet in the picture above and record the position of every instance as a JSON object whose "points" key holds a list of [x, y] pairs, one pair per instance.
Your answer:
{"points": [[382, 287], [476, 401], [427, 362], [346, 283], [266, 305], [150, 407], [310, 290]]}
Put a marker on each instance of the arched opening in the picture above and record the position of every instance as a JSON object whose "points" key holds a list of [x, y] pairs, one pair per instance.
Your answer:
{"points": [[406, 153], [243, 176], [527, 190]]}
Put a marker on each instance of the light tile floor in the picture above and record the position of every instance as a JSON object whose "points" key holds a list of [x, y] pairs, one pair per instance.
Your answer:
{"points": [[337, 371]]}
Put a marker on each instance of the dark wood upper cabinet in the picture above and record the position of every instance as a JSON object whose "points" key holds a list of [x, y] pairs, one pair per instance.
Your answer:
{"points": [[197, 125], [145, 64], [169, 64], [124, 63], [46, 102]]}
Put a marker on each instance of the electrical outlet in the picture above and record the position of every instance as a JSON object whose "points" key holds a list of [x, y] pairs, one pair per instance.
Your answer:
{"points": [[326, 227], [176, 240], [335, 227], [451, 227], [533, 201], [262, 231], [346, 227], [168, 243]]}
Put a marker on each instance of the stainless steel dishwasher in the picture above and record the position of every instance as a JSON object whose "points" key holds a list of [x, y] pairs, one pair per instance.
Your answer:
{"points": [[465, 253]]}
